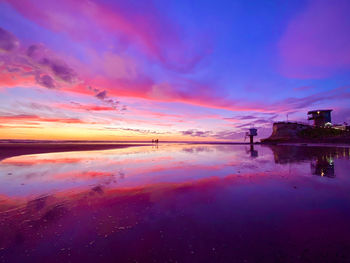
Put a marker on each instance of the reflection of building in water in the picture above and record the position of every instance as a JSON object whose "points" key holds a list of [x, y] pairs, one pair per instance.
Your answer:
{"points": [[253, 153], [323, 166], [321, 158], [295, 154]]}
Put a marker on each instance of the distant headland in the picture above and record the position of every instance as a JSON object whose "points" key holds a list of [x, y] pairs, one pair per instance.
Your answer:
{"points": [[321, 131]]}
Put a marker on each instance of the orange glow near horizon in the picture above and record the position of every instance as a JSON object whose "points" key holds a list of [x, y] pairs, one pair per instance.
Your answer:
{"points": [[85, 134]]}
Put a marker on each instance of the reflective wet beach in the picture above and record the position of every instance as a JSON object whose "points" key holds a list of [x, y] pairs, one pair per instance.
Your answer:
{"points": [[177, 203]]}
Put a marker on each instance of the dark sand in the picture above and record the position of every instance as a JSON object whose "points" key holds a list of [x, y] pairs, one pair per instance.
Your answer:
{"points": [[178, 203], [14, 149]]}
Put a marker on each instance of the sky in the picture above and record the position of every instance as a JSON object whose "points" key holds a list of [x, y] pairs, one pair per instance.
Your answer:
{"points": [[189, 70]]}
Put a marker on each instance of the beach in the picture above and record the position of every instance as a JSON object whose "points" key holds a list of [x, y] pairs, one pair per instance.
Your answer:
{"points": [[177, 203]]}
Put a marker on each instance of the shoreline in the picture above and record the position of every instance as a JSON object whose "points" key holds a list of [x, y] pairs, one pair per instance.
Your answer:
{"points": [[11, 149], [8, 150], [17, 148]]}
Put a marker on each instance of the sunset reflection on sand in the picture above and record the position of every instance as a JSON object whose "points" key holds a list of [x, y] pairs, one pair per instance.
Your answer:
{"points": [[179, 202]]}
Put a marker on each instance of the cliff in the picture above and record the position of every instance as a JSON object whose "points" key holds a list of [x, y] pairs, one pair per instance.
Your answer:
{"points": [[290, 132]]}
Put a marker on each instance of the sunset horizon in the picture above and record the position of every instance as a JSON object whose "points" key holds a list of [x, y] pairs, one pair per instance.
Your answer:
{"points": [[113, 70]]}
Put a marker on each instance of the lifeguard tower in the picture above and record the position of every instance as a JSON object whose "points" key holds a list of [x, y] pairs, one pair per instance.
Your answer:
{"points": [[252, 132]]}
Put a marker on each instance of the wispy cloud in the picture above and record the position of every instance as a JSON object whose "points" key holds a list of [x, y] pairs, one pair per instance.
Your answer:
{"points": [[8, 42], [316, 42], [197, 133], [23, 118]]}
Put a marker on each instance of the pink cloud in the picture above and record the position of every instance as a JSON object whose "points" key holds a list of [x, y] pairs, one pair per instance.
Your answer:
{"points": [[191, 92], [84, 107], [49, 70], [32, 66], [37, 65], [34, 119], [316, 41], [143, 26]]}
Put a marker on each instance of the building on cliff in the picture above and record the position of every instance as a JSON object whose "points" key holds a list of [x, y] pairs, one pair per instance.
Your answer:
{"points": [[322, 130], [320, 117], [285, 131]]}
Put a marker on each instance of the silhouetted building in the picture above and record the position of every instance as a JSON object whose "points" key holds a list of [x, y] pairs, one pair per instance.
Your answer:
{"points": [[320, 117]]}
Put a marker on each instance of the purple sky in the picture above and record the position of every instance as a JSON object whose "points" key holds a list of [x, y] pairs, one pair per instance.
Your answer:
{"points": [[176, 70]]}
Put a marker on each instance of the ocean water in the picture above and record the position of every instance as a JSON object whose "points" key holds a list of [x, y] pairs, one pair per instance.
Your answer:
{"points": [[177, 203]]}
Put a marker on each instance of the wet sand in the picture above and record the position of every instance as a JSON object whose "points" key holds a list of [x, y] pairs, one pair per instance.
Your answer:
{"points": [[177, 203], [15, 149]]}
